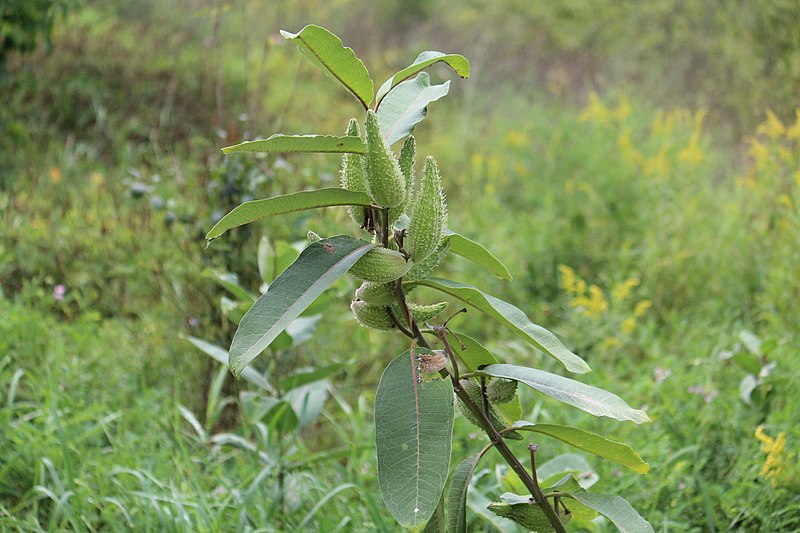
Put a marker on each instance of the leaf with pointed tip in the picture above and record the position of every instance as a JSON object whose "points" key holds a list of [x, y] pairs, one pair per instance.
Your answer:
{"points": [[511, 317], [590, 442], [475, 252], [407, 105], [220, 355], [615, 508], [278, 205], [458, 63], [328, 52], [312, 144], [413, 432], [597, 402], [316, 269], [457, 494]]}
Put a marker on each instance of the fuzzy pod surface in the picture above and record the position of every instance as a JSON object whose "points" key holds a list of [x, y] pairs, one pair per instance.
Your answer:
{"points": [[384, 180]]}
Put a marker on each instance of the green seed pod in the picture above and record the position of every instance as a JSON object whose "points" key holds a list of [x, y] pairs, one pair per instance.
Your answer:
{"points": [[376, 293], [530, 516], [381, 265], [429, 264], [474, 391], [407, 154], [372, 316], [353, 175], [501, 390], [385, 182], [423, 313], [428, 216]]}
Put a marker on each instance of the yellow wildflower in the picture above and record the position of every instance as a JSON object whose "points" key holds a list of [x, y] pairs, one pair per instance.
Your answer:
{"points": [[772, 127], [567, 281], [629, 153], [641, 308], [628, 325], [758, 150], [517, 138], [623, 109], [621, 291], [611, 342], [692, 154], [777, 457], [785, 201], [793, 132], [595, 111], [658, 164]]}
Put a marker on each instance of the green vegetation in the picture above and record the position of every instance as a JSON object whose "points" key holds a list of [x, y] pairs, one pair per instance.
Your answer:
{"points": [[656, 240]]}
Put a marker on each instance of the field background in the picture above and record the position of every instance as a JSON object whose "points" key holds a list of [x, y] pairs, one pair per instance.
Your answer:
{"points": [[636, 166]]}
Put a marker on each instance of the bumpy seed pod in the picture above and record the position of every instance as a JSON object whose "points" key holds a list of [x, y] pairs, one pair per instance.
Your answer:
{"points": [[372, 316], [376, 293], [531, 517], [407, 154], [420, 270], [381, 265], [428, 216], [423, 313], [474, 391], [353, 175], [501, 390], [432, 361], [385, 182]]}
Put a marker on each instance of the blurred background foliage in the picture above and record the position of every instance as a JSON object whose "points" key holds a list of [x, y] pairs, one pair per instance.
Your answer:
{"points": [[639, 164]]}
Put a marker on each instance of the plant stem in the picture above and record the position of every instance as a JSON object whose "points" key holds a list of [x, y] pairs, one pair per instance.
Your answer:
{"points": [[494, 436]]}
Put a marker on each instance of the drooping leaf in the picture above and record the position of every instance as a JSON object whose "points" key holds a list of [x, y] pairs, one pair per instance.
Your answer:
{"points": [[597, 402], [475, 252], [317, 267], [615, 508], [230, 282], [458, 63], [413, 432], [315, 144], [327, 51], [288, 203], [590, 442], [457, 495], [511, 317], [406, 106], [307, 401], [220, 355]]}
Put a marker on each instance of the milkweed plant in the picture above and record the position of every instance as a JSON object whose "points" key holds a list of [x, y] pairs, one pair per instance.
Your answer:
{"points": [[401, 204]]}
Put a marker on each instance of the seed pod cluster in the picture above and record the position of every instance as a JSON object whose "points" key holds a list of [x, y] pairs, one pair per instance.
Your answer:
{"points": [[353, 176], [385, 182], [372, 316], [428, 215], [381, 265], [474, 391], [407, 154]]}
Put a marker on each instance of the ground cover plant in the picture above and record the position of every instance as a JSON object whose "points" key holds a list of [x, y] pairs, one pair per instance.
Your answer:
{"points": [[410, 238]]}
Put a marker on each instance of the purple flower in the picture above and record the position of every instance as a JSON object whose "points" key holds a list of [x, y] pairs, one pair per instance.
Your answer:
{"points": [[58, 292]]}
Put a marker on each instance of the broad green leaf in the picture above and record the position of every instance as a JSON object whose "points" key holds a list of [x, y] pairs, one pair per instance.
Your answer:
{"points": [[597, 402], [413, 432], [274, 412], [327, 51], [511, 317], [474, 355], [307, 401], [298, 379], [457, 495], [266, 260], [458, 63], [220, 355], [475, 252], [230, 282], [287, 203], [317, 144], [406, 106], [590, 442], [318, 266], [615, 508]]}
